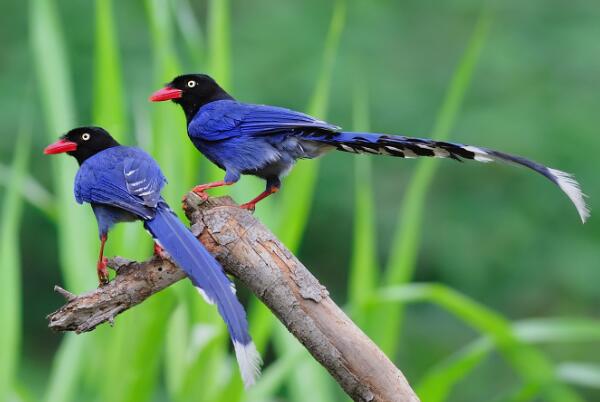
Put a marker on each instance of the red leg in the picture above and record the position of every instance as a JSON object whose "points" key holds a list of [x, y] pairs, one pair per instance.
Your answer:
{"points": [[200, 189], [101, 267], [250, 205]]}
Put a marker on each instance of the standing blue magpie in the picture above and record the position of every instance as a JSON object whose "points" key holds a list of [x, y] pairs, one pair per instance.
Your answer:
{"points": [[266, 141], [123, 184]]}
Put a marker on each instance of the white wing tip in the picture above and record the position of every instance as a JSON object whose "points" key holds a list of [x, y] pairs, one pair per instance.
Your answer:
{"points": [[204, 295], [571, 188], [249, 361]]}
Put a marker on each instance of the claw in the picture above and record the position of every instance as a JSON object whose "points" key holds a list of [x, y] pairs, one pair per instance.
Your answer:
{"points": [[160, 252], [102, 272], [250, 206], [200, 192]]}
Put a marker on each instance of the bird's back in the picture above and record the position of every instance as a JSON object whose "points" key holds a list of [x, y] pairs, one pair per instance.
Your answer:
{"points": [[123, 177]]}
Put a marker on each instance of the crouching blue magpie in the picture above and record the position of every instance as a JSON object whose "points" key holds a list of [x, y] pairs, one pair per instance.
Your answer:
{"points": [[266, 141], [124, 184]]}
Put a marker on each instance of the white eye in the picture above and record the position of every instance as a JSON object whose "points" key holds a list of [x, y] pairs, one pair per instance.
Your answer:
{"points": [[191, 84], [85, 136]]}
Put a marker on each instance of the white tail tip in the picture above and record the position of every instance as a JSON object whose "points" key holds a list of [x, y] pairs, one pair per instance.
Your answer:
{"points": [[571, 188], [249, 361]]}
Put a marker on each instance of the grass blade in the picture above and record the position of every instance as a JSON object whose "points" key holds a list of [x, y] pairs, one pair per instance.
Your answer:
{"points": [[558, 330], [208, 368], [64, 377], [10, 274], [219, 42], [109, 106], [531, 365], [363, 265], [219, 65], [134, 356], [309, 380], [32, 191], [296, 199], [76, 224], [582, 374], [190, 31], [57, 103], [406, 240], [438, 382], [274, 377]]}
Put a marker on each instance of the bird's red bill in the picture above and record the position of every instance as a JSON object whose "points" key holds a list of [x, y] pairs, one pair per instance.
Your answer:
{"points": [[60, 146], [165, 94]]}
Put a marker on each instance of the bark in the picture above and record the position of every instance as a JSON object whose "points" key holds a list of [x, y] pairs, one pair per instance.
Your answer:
{"points": [[251, 253]]}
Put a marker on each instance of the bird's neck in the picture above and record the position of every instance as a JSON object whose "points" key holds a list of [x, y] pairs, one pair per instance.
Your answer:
{"points": [[84, 154], [191, 106]]}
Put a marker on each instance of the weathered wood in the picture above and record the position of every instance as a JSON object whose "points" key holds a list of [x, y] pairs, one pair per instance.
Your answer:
{"points": [[251, 253]]}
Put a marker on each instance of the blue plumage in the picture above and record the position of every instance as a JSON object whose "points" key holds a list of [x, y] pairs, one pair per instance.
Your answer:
{"points": [[266, 141], [124, 184]]}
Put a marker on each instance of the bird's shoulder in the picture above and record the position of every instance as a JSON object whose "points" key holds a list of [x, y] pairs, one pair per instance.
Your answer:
{"points": [[143, 177], [125, 173]]}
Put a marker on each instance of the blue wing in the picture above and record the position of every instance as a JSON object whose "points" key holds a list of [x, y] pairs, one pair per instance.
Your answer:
{"points": [[122, 177], [144, 179], [225, 119]]}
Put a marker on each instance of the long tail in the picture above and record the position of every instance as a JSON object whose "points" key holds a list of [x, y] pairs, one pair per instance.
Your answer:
{"points": [[407, 147], [208, 276]]}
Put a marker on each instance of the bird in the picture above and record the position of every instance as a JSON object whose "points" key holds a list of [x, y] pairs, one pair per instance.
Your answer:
{"points": [[266, 141], [124, 184]]}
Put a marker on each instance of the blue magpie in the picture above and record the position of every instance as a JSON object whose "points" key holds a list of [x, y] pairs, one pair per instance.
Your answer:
{"points": [[266, 141], [123, 184]]}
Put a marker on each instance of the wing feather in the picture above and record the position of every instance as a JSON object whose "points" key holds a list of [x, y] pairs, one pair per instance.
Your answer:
{"points": [[123, 177], [225, 119]]}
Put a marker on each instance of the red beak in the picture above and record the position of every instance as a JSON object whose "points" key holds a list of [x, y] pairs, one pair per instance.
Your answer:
{"points": [[165, 94], [60, 146]]}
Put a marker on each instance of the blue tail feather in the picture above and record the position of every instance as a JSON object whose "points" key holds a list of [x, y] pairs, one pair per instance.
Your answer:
{"points": [[208, 276], [410, 147]]}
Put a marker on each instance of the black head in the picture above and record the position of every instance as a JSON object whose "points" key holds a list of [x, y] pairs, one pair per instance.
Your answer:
{"points": [[191, 91], [82, 142]]}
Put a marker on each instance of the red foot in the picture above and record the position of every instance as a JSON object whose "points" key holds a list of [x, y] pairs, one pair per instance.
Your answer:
{"points": [[250, 206], [102, 272], [159, 251], [200, 191]]}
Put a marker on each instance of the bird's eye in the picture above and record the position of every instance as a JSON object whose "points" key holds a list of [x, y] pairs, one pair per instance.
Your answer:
{"points": [[85, 136], [191, 84]]}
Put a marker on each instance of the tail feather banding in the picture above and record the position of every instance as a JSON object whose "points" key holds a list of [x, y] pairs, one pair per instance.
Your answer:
{"points": [[409, 147]]}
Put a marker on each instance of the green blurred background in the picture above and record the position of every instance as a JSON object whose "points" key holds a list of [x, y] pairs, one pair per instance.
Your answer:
{"points": [[478, 280]]}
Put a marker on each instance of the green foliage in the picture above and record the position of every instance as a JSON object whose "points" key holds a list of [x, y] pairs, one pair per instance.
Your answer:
{"points": [[532, 366], [10, 261], [109, 106], [56, 97], [363, 268], [174, 347], [406, 240], [296, 200], [439, 381]]}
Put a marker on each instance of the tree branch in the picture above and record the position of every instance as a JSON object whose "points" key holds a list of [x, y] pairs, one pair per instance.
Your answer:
{"points": [[251, 253]]}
